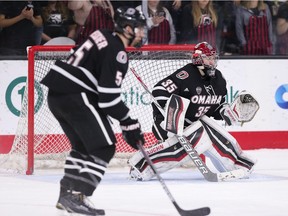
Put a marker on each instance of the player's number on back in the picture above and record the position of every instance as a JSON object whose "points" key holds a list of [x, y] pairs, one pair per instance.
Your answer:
{"points": [[79, 54], [169, 85]]}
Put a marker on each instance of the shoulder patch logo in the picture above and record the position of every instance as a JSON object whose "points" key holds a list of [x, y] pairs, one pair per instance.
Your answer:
{"points": [[122, 57], [182, 75], [198, 90]]}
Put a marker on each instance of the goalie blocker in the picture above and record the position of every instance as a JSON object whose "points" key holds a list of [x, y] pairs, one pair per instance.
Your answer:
{"points": [[206, 137]]}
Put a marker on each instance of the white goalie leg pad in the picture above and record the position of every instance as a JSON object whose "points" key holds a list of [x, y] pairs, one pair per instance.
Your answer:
{"points": [[169, 154], [225, 153]]}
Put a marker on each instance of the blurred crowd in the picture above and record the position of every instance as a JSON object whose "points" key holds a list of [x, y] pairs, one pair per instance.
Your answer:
{"points": [[249, 27]]}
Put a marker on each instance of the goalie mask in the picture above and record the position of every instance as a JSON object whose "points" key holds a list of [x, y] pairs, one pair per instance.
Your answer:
{"points": [[125, 16], [205, 57]]}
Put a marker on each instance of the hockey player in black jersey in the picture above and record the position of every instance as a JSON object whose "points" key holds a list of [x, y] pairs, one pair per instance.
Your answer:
{"points": [[205, 87], [83, 92]]}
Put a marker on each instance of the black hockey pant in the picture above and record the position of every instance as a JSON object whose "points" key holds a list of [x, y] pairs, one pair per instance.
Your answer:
{"points": [[91, 137]]}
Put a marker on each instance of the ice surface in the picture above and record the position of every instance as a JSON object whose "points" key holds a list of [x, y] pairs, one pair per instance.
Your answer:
{"points": [[265, 193]]}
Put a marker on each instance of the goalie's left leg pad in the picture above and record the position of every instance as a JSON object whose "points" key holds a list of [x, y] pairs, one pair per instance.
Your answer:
{"points": [[225, 153]]}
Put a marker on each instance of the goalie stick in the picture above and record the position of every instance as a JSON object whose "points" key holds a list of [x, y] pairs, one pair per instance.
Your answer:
{"points": [[194, 212], [202, 167]]}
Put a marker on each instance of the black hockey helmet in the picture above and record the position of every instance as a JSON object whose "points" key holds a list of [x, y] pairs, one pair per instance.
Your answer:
{"points": [[127, 16]]}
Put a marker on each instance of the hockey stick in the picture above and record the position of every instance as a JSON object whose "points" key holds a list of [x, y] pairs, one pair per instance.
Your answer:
{"points": [[206, 172], [194, 212]]}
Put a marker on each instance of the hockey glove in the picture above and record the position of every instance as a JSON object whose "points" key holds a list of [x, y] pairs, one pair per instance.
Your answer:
{"points": [[131, 132], [243, 109]]}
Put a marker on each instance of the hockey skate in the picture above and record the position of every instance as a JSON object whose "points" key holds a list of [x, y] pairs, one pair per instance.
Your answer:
{"points": [[134, 174], [249, 170], [76, 202]]}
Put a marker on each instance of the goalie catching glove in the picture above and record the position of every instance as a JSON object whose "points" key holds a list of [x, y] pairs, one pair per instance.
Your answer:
{"points": [[131, 132], [243, 109]]}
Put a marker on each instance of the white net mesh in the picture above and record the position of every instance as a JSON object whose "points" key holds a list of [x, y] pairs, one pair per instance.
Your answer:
{"points": [[51, 145]]}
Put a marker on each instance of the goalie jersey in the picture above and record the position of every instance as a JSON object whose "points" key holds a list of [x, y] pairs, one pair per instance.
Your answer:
{"points": [[89, 69], [206, 94]]}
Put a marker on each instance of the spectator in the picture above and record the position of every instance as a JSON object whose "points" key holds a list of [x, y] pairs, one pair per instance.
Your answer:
{"points": [[273, 7], [175, 8], [159, 23], [282, 29], [199, 22], [228, 42], [176, 4], [19, 20], [57, 21], [91, 16], [251, 15]]}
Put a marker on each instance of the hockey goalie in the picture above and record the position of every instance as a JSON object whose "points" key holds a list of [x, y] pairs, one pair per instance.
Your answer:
{"points": [[204, 87]]}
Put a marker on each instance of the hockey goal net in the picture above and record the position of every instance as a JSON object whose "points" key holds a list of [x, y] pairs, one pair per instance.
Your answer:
{"points": [[39, 140]]}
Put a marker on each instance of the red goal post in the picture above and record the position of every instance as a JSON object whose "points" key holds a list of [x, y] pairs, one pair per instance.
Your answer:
{"points": [[40, 142]]}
